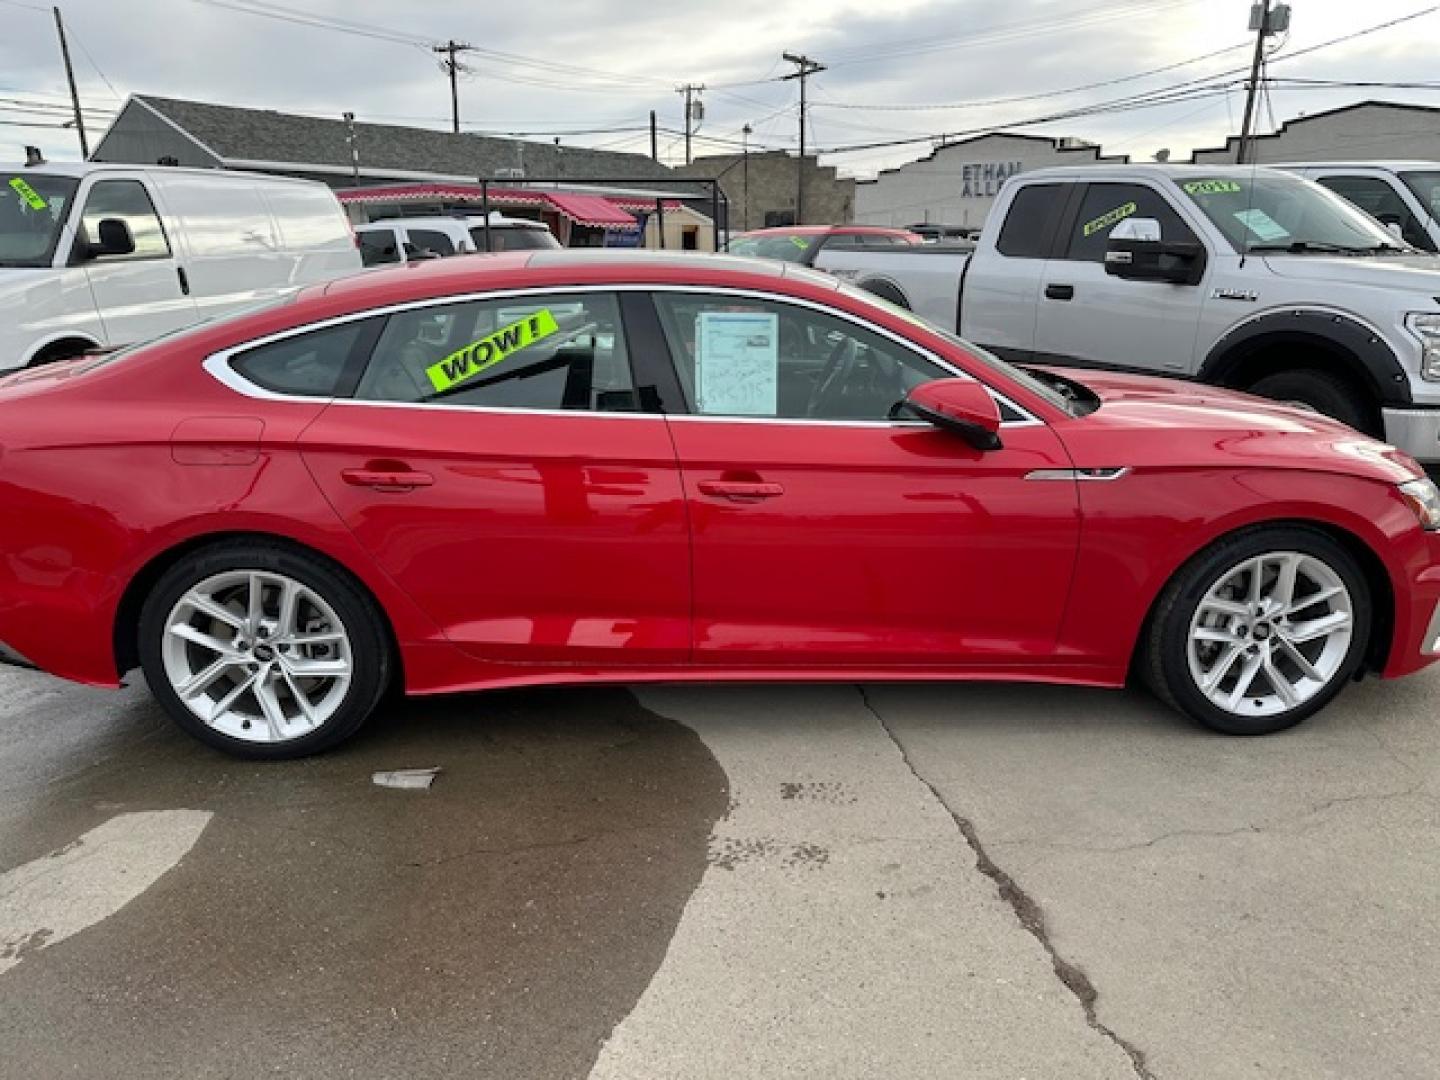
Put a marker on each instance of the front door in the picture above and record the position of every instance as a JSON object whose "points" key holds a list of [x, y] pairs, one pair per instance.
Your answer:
{"points": [[826, 534], [1091, 318], [143, 293], [494, 463]]}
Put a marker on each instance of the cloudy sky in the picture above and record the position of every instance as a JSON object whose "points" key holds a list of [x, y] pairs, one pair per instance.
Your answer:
{"points": [[591, 70]]}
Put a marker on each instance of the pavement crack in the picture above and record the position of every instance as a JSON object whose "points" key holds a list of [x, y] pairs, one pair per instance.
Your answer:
{"points": [[1029, 913]]}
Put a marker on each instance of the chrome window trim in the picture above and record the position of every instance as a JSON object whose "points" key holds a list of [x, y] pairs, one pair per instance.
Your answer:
{"points": [[218, 364]]}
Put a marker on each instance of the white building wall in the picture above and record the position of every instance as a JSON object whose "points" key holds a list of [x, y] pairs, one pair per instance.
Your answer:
{"points": [[957, 184], [1374, 131]]}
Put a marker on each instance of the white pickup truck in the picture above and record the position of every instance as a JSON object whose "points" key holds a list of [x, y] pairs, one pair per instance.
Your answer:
{"points": [[1244, 277]]}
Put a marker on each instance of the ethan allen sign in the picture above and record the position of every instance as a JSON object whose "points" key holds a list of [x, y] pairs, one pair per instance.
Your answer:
{"points": [[984, 179]]}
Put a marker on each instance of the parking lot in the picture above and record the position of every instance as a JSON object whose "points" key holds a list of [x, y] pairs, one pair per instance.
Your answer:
{"points": [[704, 882]]}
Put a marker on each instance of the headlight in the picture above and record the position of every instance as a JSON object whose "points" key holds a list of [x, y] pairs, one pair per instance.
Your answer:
{"points": [[1424, 498], [1426, 327]]}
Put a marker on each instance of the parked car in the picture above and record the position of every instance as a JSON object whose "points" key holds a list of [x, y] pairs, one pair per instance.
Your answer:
{"points": [[95, 256], [393, 240], [1246, 278], [1404, 196], [802, 243], [558, 467]]}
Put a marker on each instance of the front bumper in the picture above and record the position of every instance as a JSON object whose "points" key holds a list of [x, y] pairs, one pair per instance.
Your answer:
{"points": [[1416, 431]]}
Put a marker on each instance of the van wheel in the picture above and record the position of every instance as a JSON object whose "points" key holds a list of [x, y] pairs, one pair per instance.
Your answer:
{"points": [[1259, 631], [61, 350], [1332, 395]]}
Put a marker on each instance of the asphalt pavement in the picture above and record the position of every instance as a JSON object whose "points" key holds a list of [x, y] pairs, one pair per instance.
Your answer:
{"points": [[841, 881]]}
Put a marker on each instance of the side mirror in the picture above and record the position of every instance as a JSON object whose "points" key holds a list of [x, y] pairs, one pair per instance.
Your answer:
{"points": [[113, 238], [1136, 252], [963, 406]]}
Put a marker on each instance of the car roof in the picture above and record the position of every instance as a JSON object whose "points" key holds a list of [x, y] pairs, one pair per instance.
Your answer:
{"points": [[818, 230]]}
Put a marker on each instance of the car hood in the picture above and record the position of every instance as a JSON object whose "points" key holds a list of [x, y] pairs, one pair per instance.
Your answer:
{"points": [[1145, 421], [1409, 273]]}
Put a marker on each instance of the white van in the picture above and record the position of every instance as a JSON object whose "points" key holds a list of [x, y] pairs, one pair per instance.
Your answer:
{"points": [[392, 240], [96, 255], [1404, 196]]}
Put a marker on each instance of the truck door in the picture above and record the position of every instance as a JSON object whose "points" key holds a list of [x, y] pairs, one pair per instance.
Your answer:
{"points": [[1089, 318]]}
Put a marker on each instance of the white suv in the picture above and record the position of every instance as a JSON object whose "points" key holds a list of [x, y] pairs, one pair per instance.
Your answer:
{"points": [[394, 240]]}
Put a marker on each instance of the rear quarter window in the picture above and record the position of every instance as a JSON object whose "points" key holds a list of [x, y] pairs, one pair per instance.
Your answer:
{"points": [[313, 364]]}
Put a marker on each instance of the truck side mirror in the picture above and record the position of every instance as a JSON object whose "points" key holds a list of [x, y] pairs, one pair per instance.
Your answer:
{"points": [[1136, 252], [113, 239]]}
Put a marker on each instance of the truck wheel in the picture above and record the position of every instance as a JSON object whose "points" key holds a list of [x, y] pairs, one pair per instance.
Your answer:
{"points": [[1259, 631], [888, 292], [1325, 393]]}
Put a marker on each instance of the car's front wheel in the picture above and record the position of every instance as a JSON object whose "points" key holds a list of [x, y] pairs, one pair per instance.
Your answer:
{"points": [[263, 651], [1259, 631]]}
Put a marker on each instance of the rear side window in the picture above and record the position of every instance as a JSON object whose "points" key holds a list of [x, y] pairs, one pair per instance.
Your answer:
{"points": [[531, 352], [308, 365], [1030, 222], [431, 240]]}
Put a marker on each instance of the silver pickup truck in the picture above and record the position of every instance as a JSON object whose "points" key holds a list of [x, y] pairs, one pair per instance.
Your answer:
{"points": [[1244, 277]]}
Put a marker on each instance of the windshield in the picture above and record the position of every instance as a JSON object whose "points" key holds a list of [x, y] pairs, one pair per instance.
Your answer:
{"points": [[1426, 186], [787, 247], [1266, 212], [32, 213], [1042, 390], [511, 238]]}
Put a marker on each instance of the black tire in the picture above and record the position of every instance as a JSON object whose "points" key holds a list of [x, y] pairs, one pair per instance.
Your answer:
{"points": [[885, 291], [362, 619], [1164, 655], [1332, 395]]}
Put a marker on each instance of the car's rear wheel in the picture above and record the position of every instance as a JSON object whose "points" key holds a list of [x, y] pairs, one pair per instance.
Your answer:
{"points": [[1259, 631], [263, 651]]}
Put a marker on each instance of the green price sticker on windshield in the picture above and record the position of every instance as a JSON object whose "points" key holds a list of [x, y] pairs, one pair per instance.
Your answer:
{"points": [[1211, 187], [1104, 221], [31, 197], [479, 356]]}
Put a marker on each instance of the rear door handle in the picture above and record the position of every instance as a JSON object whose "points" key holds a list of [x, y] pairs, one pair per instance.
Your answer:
{"points": [[739, 490], [1060, 292], [386, 479]]}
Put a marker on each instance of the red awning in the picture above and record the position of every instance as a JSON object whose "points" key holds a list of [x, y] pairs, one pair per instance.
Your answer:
{"points": [[593, 210]]}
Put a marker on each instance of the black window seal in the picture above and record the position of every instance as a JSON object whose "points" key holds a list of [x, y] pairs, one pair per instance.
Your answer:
{"points": [[652, 367], [361, 353]]}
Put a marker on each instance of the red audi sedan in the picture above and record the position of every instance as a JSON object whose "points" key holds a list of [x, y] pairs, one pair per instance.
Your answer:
{"points": [[562, 467]]}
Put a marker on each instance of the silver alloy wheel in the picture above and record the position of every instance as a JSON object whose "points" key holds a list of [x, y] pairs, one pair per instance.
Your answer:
{"points": [[257, 656], [1270, 634]]}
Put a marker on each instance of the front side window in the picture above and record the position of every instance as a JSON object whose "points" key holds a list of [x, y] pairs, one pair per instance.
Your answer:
{"points": [[1273, 212], [378, 247], [127, 201], [1106, 205], [532, 352], [1426, 186], [33, 207], [1382, 202], [787, 247], [307, 365], [738, 356], [431, 240]]}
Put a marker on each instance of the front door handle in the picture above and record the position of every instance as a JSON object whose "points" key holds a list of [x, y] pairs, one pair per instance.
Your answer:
{"points": [[740, 490], [1060, 292], [397, 480]]}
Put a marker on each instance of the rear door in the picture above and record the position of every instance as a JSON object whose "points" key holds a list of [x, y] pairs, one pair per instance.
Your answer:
{"points": [[495, 462], [144, 293], [1088, 317], [825, 533]]}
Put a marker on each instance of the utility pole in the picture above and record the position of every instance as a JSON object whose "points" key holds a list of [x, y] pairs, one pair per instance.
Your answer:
{"points": [[74, 94], [694, 111], [654, 138], [452, 67], [804, 68], [1266, 21], [745, 190], [354, 149]]}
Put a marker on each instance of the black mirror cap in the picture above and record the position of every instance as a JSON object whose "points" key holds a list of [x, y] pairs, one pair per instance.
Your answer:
{"points": [[113, 238], [1179, 263], [978, 437]]}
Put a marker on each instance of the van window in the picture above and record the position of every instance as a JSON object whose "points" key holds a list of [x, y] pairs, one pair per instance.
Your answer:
{"points": [[307, 365], [130, 202], [431, 240]]}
